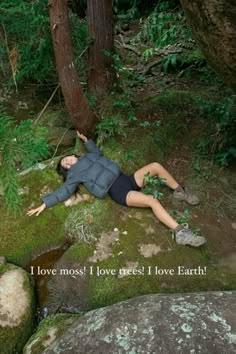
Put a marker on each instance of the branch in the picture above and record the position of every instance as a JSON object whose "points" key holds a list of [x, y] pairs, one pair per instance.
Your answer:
{"points": [[46, 105], [60, 141], [9, 56]]}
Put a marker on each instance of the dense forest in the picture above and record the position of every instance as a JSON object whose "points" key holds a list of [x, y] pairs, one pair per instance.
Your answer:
{"points": [[146, 81]]}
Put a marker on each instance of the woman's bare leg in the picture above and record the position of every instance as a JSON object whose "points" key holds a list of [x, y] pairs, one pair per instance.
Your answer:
{"points": [[155, 169], [139, 199]]}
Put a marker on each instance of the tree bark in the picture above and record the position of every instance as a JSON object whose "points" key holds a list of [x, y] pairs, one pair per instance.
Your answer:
{"points": [[100, 21], [214, 26], [80, 113]]}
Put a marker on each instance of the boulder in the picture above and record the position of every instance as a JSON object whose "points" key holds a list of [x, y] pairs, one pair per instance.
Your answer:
{"points": [[17, 307], [167, 323]]}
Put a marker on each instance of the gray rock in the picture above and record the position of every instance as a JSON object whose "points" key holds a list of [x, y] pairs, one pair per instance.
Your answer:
{"points": [[68, 289], [189, 323], [2, 260], [17, 306]]}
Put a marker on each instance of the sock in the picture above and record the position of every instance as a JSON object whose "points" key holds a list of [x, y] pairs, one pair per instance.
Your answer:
{"points": [[178, 228], [179, 189]]}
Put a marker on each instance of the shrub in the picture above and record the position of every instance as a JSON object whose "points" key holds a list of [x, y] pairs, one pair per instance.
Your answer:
{"points": [[218, 141], [21, 145]]}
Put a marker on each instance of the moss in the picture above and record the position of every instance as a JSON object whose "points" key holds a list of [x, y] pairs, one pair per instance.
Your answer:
{"points": [[60, 322], [170, 99], [23, 237], [145, 145], [79, 252], [191, 57], [108, 289]]}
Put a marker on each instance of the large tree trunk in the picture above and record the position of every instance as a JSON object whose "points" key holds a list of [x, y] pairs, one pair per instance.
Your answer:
{"points": [[100, 22], [80, 113], [214, 26]]}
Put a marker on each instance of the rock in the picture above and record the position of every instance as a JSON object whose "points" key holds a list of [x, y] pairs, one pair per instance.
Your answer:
{"points": [[3, 260], [68, 289], [167, 323], [17, 306], [148, 250], [37, 166], [104, 246]]}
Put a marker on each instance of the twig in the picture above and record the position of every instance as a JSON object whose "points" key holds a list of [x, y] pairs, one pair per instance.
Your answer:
{"points": [[46, 105], [9, 56], [83, 51], [128, 46], [52, 95], [151, 65], [60, 141]]}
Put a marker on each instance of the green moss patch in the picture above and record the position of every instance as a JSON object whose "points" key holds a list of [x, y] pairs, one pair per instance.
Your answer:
{"points": [[48, 330]]}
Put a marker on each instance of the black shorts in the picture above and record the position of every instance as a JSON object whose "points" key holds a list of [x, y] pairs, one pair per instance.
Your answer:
{"points": [[120, 188]]}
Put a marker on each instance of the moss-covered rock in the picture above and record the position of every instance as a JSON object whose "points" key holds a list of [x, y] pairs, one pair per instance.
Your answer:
{"points": [[176, 323], [23, 237], [47, 332], [129, 242], [17, 307]]}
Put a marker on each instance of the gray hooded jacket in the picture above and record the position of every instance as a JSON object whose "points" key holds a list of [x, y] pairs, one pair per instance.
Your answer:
{"points": [[95, 171]]}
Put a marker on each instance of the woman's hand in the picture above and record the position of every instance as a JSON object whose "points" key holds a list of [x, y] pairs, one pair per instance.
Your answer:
{"points": [[36, 211], [81, 136]]}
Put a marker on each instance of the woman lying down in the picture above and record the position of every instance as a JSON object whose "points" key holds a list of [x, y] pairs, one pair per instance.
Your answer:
{"points": [[101, 175]]}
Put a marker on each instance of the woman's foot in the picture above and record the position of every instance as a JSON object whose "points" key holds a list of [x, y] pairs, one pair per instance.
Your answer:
{"points": [[182, 193], [185, 236]]}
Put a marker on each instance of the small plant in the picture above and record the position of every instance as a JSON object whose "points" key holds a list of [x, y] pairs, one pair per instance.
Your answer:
{"points": [[218, 141], [110, 126], [183, 219], [162, 27], [180, 218], [91, 98], [169, 61], [203, 172], [152, 185], [26, 29], [21, 145], [78, 228]]}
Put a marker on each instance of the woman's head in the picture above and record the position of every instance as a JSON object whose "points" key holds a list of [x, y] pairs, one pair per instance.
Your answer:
{"points": [[65, 163]]}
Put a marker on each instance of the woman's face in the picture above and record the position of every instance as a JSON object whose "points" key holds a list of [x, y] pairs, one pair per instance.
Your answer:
{"points": [[68, 161]]}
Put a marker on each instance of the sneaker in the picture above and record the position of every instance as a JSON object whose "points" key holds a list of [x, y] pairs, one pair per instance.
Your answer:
{"points": [[186, 237], [187, 196]]}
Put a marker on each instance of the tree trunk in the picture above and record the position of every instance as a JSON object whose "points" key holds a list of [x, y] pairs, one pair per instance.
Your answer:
{"points": [[214, 26], [80, 113], [100, 22]]}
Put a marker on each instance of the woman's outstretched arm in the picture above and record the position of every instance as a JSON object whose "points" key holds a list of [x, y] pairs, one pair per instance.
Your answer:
{"points": [[58, 195], [89, 144], [37, 211]]}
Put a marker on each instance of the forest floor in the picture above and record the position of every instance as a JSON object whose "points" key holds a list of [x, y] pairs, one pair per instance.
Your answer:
{"points": [[215, 185], [132, 238]]}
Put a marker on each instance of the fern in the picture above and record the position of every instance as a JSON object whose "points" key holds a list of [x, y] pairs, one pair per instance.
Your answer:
{"points": [[21, 145], [27, 28]]}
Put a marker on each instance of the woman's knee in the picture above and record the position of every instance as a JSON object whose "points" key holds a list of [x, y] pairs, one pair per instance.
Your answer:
{"points": [[135, 198], [157, 166], [151, 201]]}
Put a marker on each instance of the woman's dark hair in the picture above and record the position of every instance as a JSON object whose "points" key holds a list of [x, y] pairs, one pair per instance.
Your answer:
{"points": [[62, 171]]}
